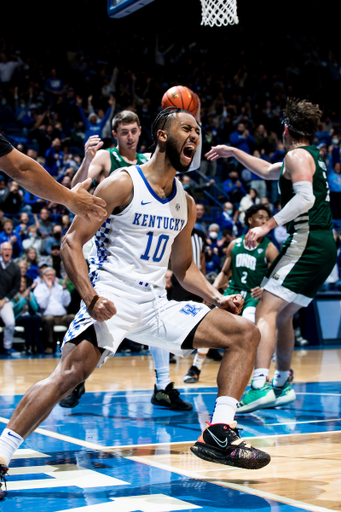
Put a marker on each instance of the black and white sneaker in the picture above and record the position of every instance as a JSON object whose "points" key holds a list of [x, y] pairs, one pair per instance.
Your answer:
{"points": [[170, 398], [192, 375], [3, 473], [73, 398], [221, 443]]}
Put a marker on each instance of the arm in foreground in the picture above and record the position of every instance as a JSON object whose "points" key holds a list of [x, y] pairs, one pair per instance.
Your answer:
{"points": [[256, 165], [31, 176], [188, 274]]}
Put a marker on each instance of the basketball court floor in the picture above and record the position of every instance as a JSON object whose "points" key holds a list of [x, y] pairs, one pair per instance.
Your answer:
{"points": [[117, 452]]}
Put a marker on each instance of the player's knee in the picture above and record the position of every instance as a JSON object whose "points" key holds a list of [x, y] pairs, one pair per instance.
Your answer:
{"points": [[250, 336]]}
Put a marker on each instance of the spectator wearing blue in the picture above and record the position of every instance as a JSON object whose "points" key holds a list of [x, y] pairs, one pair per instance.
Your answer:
{"points": [[92, 123], [199, 222], [54, 158], [225, 220], [234, 188], [323, 135], [44, 223], [54, 86], [54, 239], [334, 180], [8, 235], [242, 139], [256, 182], [335, 153], [21, 228]]}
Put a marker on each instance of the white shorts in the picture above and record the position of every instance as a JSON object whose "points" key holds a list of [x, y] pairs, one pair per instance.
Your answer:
{"points": [[143, 315]]}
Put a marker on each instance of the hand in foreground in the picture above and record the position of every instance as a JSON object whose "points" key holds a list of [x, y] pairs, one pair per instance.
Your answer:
{"points": [[102, 310], [252, 236], [232, 303], [84, 204], [256, 293], [221, 151]]}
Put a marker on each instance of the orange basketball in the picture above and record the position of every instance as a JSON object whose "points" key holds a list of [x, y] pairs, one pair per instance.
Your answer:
{"points": [[181, 97]]}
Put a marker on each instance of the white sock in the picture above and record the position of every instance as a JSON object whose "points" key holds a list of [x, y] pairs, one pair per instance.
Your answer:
{"points": [[9, 443], [224, 410], [198, 361], [162, 377], [280, 378], [161, 366], [259, 377]]}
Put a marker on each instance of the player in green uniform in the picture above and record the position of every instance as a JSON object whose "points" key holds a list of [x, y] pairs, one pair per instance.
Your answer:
{"points": [[99, 164], [248, 265], [307, 257], [248, 268]]}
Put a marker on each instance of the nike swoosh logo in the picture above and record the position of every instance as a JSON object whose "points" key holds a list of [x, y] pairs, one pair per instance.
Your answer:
{"points": [[220, 443], [143, 204], [13, 436]]}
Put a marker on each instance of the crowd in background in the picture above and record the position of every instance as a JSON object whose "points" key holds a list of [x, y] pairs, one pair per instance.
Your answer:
{"points": [[49, 108]]}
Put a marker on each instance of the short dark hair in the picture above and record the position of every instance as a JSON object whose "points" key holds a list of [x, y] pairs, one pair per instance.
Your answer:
{"points": [[160, 123], [126, 117], [254, 209], [302, 118]]}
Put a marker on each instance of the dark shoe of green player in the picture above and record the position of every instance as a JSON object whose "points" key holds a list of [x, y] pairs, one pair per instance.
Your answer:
{"points": [[192, 375], [255, 399], [170, 398], [72, 399], [214, 354]]}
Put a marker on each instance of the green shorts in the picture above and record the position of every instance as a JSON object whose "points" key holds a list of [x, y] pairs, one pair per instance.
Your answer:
{"points": [[249, 302], [303, 265]]}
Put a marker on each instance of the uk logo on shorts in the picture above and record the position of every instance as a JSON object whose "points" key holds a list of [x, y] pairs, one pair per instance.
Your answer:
{"points": [[190, 309]]}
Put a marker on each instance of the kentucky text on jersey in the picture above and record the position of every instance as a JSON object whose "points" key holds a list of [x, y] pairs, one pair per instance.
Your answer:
{"points": [[246, 260], [159, 222]]}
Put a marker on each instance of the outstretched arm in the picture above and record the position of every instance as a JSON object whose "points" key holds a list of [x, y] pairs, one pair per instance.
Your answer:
{"points": [[254, 164], [299, 169], [32, 177]]}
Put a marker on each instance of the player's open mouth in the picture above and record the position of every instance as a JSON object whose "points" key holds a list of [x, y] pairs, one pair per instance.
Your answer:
{"points": [[188, 152]]}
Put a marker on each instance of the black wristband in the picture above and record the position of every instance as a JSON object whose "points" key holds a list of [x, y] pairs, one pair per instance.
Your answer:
{"points": [[92, 303]]}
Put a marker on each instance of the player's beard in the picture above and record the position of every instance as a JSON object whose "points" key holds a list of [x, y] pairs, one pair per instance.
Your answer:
{"points": [[173, 155]]}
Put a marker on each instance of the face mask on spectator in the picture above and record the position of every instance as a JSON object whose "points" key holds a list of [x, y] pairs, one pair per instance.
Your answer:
{"points": [[213, 235]]}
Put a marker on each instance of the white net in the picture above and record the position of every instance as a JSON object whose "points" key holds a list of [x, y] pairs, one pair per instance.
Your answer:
{"points": [[219, 12]]}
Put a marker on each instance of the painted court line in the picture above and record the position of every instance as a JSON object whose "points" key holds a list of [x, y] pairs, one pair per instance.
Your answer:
{"points": [[189, 474], [242, 488], [98, 447]]}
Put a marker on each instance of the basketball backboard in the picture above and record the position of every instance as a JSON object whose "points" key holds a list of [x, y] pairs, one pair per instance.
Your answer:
{"points": [[121, 8]]}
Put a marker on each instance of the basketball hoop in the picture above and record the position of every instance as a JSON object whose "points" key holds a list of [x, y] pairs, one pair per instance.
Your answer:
{"points": [[219, 12]]}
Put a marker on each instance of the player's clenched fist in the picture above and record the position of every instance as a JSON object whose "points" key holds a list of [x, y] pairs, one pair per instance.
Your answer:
{"points": [[101, 309], [232, 303]]}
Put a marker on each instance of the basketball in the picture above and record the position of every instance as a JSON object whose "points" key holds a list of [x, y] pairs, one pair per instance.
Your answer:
{"points": [[181, 97]]}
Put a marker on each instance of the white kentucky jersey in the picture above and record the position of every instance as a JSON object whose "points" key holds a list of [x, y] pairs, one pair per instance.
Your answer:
{"points": [[135, 245]]}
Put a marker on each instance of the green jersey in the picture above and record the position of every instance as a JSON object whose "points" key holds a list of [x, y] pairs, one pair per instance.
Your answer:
{"points": [[117, 161], [248, 265], [319, 216]]}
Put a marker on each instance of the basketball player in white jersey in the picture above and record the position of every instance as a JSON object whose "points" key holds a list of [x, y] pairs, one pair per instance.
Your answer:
{"points": [[98, 164], [149, 219]]}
